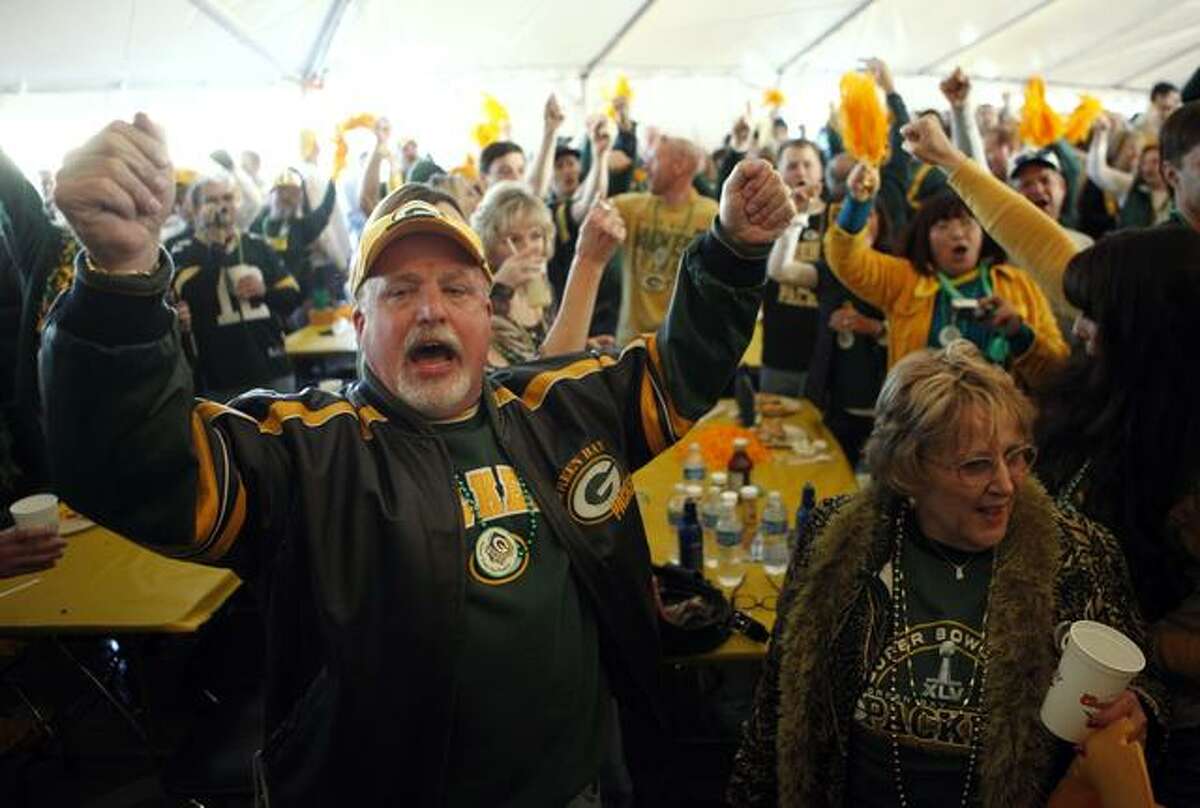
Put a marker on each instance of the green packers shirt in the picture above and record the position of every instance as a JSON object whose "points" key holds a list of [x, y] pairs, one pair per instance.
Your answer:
{"points": [[932, 709], [531, 699]]}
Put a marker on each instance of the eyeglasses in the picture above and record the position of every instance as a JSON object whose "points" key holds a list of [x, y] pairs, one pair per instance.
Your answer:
{"points": [[978, 472], [746, 601]]}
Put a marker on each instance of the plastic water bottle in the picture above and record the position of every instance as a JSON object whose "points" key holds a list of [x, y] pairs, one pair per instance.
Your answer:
{"points": [[720, 479], [808, 501], [710, 513], [774, 535], [730, 558], [748, 513], [691, 539], [675, 506], [694, 470]]}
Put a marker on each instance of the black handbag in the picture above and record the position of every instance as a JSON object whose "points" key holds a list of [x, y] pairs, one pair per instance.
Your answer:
{"points": [[694, 616]]}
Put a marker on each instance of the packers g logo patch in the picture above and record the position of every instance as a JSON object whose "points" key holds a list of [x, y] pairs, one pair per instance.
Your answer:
{"points": [[594, 487]]}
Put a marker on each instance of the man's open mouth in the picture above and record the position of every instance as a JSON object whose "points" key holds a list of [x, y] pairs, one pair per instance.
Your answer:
{"points": [[959, 250], [431, 352]]}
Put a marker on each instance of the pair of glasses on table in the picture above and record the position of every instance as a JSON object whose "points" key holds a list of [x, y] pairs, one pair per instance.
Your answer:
{"points": [[746, 601]]}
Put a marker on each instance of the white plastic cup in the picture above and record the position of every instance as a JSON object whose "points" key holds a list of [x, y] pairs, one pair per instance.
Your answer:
{"points": [[38, 510], [537, 290], [1098, 661]]}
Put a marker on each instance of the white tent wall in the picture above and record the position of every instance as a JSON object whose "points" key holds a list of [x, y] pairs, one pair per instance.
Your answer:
{"points": [[227, 73]]}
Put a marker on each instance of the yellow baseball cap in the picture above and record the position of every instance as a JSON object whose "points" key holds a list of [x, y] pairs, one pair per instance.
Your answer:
{"points": [[287, 179], [410, 218]]}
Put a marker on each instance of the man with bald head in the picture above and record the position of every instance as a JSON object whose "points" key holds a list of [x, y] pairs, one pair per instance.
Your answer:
{"points": [[454, 571], [659, 226]]}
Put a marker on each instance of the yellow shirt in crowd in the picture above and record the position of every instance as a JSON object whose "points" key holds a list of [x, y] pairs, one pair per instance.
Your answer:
{"points": [[656, 236]]}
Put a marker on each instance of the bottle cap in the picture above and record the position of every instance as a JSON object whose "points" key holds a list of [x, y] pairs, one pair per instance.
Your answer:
{"points": [[693, 447], [729, 498], [749, 492], [694, 492], [741, 443], [680, 488], [774, 496], [719, 478]]}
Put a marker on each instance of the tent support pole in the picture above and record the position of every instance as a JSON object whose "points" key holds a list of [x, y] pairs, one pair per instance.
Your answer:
{"points": [[830, 31], [314, 65], [228, 23], [995, 32], [1166, 60], [615, 39]]}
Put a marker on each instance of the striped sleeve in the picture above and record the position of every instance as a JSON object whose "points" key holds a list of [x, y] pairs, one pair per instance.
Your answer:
{"points": [[220, 493]]}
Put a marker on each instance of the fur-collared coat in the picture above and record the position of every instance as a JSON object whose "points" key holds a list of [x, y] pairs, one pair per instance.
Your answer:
{"points": [[1053, 565]]}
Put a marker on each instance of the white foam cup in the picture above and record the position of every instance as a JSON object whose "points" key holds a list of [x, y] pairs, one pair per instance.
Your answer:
{"points": [[239, 271], [38, 510], [1098, 661]]}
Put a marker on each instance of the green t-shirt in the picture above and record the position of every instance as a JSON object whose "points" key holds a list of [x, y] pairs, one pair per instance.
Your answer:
{"points": [[941, 649], [531, 698]]}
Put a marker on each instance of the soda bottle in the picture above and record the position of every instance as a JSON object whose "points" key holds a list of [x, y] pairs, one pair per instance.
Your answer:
{"points": [[740, 465], [730, 560], [693, 468], [691, 539], [775, 535]]}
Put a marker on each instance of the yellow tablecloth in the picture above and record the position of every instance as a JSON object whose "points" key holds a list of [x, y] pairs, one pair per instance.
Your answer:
{"points": [[753, 355], [104, 583], [320, 340], [785, 472]]}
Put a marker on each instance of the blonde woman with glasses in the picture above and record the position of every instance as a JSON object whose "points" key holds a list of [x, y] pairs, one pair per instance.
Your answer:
{"points": [[915, 634]]}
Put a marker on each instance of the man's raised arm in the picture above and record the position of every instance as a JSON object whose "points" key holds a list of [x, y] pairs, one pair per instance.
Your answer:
{"points": [[128, 444]]}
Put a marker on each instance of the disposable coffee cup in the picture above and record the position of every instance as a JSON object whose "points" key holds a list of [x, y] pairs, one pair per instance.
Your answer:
{"points": [[239, 271], [38, 510], [1096, 660]]}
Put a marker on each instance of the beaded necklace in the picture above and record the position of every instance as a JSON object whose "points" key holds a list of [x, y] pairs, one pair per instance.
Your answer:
{"points": [[900, 629], [500, 553]]}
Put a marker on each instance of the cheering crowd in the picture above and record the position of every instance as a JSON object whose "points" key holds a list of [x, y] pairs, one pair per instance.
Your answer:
{"points": [[993, 329]]}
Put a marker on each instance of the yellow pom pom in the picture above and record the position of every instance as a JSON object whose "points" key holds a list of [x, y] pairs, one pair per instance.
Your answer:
{"points": [[622, 88], [494, 112], [340, 149], [469, 171], [308, 144], [1040, 124], [1079, 124], [863, 119], [773, 98], [486, 134]]}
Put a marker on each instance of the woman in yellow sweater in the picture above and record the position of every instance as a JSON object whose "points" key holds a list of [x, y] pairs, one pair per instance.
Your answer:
{"points": [[1118, 431], [945, 283]]}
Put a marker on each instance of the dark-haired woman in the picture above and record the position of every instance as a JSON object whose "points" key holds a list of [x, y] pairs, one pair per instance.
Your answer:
{"points": [[947, 281], [1119, 431]]}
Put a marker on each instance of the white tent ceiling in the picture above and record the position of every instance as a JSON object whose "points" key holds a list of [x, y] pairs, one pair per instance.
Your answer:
{"points": [[72, 45], [248, 73]]}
